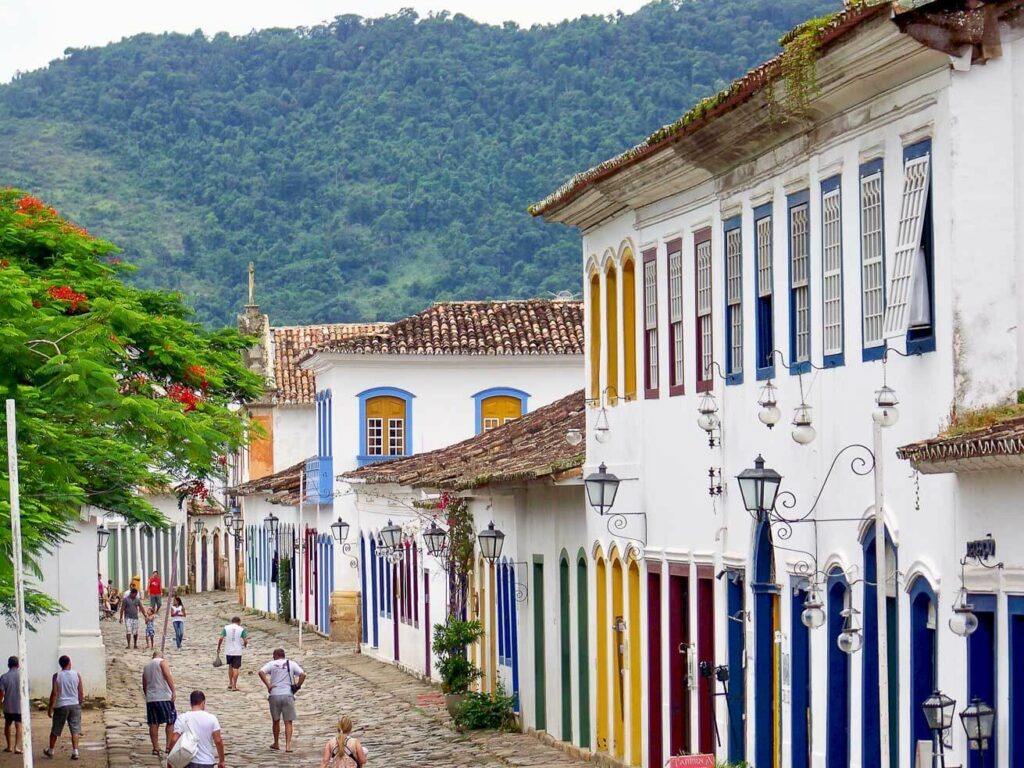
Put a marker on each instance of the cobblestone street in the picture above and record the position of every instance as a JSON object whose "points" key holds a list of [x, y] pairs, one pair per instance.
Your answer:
{"points": [[401, 720]]}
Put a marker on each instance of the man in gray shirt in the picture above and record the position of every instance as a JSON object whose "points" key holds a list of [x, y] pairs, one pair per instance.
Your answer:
{"points": [[130, 608], [10, 695], [158, 687]]}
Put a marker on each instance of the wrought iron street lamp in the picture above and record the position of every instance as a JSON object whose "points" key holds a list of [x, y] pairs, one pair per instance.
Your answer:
{"points": [[938, 713], [435, 540], [340, 530], [803, 432], [391, 535], [978, 718], [850, 640], [759, 487], [963, 622], [272, 524], [102, 534], [769, 402], [886, 414], [491, 541], [197, 526], [601, 489], [813, 615], [708, 419]]}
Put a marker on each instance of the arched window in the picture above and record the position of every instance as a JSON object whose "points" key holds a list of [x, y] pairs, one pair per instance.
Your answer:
{"points": [[924, 658], [871, 722], [629, 323], [611, 293], [497, 406], [594, 336], [385, 424]]}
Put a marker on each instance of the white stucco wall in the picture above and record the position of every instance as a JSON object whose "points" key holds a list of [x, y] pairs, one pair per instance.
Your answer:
{"points": [[294, 434]]}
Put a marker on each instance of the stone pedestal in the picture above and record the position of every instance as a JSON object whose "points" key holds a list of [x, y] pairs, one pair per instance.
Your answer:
{"points": [[346, 625]]}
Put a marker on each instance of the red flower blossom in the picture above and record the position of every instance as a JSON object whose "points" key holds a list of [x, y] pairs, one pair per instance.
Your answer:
{"points": [[179, 393], [37, 304], [29, 205], [65, 293]]}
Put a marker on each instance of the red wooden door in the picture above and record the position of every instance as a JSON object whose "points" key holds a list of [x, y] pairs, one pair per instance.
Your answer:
{"points": [[679, 651], [426, 621], [706, 655], [654, 690]]}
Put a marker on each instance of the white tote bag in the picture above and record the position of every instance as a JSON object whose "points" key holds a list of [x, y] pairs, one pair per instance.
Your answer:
{"points": [[185, 748]]}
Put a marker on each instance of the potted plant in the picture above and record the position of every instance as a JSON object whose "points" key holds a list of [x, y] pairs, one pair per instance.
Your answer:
{"points": [[451, 640]]}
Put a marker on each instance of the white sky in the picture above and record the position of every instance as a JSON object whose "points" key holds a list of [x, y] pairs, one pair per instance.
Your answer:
{"points": [[34, 33]]}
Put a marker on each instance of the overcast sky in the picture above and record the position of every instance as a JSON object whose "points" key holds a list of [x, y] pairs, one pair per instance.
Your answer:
{"points": [[33, 34]]}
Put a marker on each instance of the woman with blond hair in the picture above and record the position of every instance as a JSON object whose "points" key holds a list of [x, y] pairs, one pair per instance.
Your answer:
{"points": [[342, 750]]}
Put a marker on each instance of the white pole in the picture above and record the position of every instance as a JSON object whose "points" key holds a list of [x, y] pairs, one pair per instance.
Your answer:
{"points": [[19, 584], [881, 590], [301, 602]]}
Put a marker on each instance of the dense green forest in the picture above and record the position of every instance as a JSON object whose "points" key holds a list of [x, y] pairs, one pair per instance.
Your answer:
{"points": [[367, 166]]}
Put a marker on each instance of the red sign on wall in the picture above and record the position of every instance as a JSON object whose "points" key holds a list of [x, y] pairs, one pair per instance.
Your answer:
{"points": [[691, 761]]}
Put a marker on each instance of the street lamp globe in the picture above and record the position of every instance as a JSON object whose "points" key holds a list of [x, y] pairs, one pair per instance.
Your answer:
{"points": [[601, 489], [435, 539], [803, 432], [813, 615], [978, 718], [938, 711], [491, 540], [759, 487], [886, 414], [391, 535], [197, 526], [340, 530], [963, 622], [708, 409], [850, 640], [769, 414]]}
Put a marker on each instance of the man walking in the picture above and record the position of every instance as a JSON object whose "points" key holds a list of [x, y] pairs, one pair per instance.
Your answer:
{"points": [[130, 608], [282, 678], [235, 640], [158, 687], [155, 588], [10, 696], [65, 706], [206, 728]]}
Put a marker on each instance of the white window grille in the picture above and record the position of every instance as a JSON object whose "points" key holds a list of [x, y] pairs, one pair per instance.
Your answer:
{"points": [[490, 423], [798, 250], [908, 243], [764, 256], [374, 437], [704, 307], [832, 272], [396, 437], [734, 290], [675, 304], [872, 264], [651, 320]]}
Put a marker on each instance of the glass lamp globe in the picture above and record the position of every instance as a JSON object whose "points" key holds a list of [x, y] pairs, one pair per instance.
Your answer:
{"points": [[708, 410], [850, 641], [803, 432], [963, 622], [886, 413], [813, 615], [769, 414], [708, 421]]}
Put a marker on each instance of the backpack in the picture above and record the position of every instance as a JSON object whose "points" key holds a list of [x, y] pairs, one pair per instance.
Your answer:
{"points": [[346, 760], [185, 748]]}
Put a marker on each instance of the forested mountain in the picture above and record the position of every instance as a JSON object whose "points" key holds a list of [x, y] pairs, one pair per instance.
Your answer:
{"points": [[367, 166]]}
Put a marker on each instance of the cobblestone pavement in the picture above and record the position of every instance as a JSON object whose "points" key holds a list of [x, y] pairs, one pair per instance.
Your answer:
{"points": [[401, 720]]}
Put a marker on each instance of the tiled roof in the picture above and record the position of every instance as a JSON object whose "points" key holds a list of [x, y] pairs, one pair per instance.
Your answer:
{"points": [[528, 327], [997, 446], [293, 384], [280, 488], [528, 448], [708, 110]]}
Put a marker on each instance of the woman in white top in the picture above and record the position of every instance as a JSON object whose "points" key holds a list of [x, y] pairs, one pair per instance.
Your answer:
{"points": [[178, 620]]}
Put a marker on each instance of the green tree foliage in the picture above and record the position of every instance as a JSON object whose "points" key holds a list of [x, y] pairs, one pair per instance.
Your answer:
{"points": [[368, 166], [117, 389]]}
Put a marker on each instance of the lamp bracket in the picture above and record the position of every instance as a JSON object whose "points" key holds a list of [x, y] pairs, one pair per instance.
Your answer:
{"points": [[346, 550], [715, 481], [618, 522]]}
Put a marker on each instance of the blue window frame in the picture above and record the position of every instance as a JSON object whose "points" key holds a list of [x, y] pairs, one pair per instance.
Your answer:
{"points": [[365, 396], [733, 250], [800, 679], [872, 259], [871, 710], [921, 338], [737, 699], [837, 740], [1015, 615], [799, 227], [764, 293], [479, 397], [982, 670], [833, 326], [766, 592], [923, 658], [324, 409]]}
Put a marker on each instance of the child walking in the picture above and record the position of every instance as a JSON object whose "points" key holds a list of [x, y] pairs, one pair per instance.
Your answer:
{"points": [[150, 626]]}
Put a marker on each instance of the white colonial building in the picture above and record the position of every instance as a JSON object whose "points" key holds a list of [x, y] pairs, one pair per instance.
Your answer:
{"points": [[828, 228]]}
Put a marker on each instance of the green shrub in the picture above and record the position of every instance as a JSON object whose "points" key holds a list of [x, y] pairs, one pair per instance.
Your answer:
{"points": [[284, 589], [450, 642], [481, 711]]}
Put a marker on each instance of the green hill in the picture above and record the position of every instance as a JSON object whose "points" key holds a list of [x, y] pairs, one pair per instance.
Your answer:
{"points": [[367, 166]]}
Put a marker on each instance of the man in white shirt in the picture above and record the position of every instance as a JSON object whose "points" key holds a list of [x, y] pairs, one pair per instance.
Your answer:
{"points": [[235, 639], [206, 728], [282, 678]]}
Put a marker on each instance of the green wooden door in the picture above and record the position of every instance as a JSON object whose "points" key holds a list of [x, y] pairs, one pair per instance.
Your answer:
{"points": [[539, 670], [583, 646], [566, 647]]}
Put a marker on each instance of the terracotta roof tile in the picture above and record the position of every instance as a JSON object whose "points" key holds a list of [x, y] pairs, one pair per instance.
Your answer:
{"points": [[281, 487], [528, 448], [529, 327], [293, 384], [999, 445]]}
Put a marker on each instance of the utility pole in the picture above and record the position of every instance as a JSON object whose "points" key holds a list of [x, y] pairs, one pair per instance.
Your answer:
{"points": [[881, 589], [301, 601], [19, 584]]}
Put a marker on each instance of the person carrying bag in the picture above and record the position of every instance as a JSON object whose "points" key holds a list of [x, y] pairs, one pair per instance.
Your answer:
{"points": [[343, 750]]}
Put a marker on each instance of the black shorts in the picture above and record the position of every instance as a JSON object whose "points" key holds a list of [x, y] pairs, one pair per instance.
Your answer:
{"points": [[12, 717], [160, 713], [235, 662]]}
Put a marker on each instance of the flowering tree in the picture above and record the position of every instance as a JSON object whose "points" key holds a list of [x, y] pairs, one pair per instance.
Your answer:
{"points": [[117, 389]]}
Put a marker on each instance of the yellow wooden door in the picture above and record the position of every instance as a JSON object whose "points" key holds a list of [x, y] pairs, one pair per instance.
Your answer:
{"points": [[498, 410]]}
